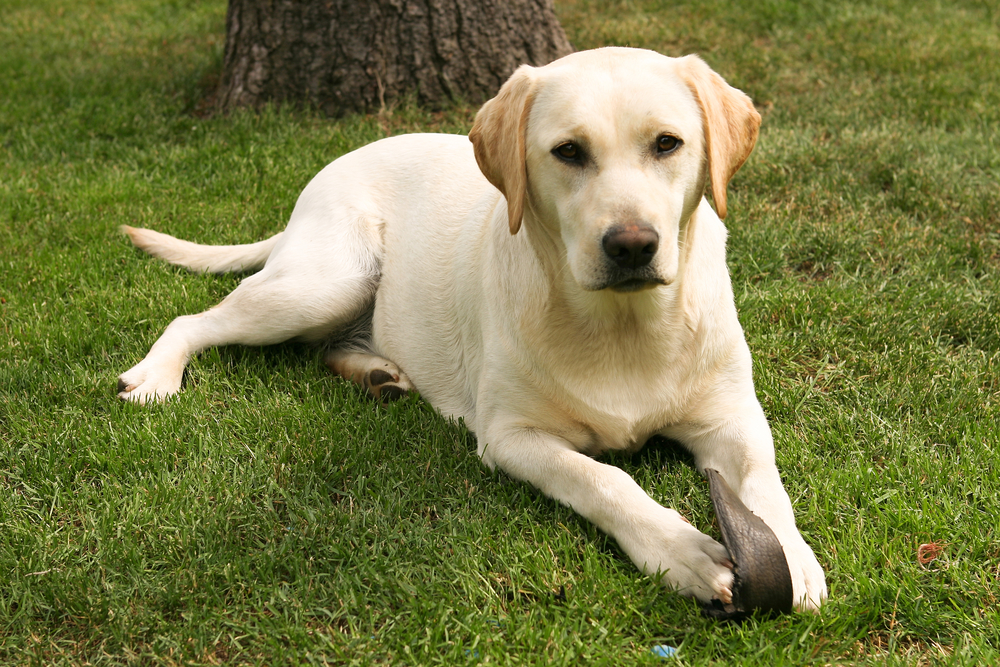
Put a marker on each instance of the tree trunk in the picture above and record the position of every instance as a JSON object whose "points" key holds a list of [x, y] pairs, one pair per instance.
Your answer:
{"points": [[359, 55]]}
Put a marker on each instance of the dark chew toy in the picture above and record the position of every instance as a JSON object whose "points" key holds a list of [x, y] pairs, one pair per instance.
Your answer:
{"points": [[761, 581]]}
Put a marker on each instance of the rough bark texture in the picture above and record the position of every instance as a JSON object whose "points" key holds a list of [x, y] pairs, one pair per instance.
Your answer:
{"points": [[359, 55]]}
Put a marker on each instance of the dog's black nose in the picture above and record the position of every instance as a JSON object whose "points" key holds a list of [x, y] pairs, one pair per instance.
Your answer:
{"points": [[631, 246]]}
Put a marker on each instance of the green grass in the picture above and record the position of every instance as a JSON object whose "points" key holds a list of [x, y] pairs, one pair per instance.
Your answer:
{"points": [[270, 515]]}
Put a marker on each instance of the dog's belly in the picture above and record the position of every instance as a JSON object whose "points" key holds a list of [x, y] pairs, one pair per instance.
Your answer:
{"points": [[426, 315]]}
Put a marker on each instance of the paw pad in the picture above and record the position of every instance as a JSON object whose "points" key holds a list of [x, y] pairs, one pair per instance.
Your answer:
{"points": [[382, 386]]}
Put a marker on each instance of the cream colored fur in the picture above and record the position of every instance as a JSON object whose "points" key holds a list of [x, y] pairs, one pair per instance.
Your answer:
{"points": [[497, 298]]}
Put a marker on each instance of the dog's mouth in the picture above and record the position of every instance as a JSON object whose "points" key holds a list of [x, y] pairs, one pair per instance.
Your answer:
{"points": [[626, 281], [636, 285]]}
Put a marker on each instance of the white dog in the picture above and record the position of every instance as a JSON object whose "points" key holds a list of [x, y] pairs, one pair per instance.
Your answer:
{"points": [[560, 284]]}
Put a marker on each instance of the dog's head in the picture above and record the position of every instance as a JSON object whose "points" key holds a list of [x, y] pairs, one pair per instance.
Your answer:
{"points": [[610, 150]]}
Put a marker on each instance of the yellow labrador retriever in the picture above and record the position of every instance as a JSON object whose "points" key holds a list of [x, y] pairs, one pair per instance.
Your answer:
{"points": [[559, 283]]}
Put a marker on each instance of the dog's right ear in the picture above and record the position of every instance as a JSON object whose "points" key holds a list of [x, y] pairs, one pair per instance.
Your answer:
{"points": [[498, 138]]}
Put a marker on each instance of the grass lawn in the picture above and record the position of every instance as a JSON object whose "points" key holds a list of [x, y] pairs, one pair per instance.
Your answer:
{"points": [[271, 515]]}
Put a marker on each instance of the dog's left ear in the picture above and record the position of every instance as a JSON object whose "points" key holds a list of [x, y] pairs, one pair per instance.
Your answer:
{"points": [[498, 137], [731, 124]]}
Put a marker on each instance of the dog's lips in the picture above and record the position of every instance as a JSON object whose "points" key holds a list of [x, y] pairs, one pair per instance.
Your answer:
{"points": [[636, 285]]}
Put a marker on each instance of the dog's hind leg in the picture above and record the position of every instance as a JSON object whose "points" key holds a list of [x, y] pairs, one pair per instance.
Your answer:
{"points": [[382, 379], [300, 294]]}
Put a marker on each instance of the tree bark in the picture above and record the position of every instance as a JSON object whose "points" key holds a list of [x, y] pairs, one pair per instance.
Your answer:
{"points": [[360, 55]]}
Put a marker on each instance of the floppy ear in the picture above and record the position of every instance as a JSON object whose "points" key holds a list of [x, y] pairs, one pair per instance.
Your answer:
{"points": [[731, 124], [498, 136]]}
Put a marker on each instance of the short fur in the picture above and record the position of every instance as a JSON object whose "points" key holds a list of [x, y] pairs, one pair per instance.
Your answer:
{"points": [[509, 301]]}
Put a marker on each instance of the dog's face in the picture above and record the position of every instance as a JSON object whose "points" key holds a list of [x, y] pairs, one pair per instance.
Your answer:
{"points": [[609, 151], [615, 160]]}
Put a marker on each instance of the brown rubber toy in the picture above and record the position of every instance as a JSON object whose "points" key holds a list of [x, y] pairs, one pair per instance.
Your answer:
{"points": [[761, 580]]}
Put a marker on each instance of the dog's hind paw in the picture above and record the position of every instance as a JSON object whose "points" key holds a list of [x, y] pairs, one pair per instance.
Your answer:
{"points": [[143, 384], [386, 386], [382, 379]]}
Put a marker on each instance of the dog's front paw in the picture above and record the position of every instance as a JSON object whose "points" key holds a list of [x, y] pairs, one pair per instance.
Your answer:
{"points": [[688, 561], [699, 567], [808, 579], [147, 383]]}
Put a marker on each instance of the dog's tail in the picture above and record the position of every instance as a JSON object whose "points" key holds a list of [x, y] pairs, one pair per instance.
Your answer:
{"points": [[202, 258]]}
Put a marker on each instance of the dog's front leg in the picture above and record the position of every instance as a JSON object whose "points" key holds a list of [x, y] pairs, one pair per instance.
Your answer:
{"points": [[742, 450], [657, 539]]}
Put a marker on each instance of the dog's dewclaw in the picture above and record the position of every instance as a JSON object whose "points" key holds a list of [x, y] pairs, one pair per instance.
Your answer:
{"points": [[761, 581]]}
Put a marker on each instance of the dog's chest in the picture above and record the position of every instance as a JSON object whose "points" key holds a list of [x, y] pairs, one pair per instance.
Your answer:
{"points": [[622, 389], [622, 411]]}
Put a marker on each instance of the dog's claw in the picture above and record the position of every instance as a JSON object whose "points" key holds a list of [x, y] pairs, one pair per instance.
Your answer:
{"points": [[761, 580]]}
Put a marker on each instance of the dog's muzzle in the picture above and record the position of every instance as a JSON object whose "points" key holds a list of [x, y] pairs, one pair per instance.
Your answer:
{"points": [[631, 247], [629, 250]]}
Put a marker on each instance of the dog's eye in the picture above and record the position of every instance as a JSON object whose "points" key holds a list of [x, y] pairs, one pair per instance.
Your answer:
{"points": [[568, 151], [667, 143]]}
